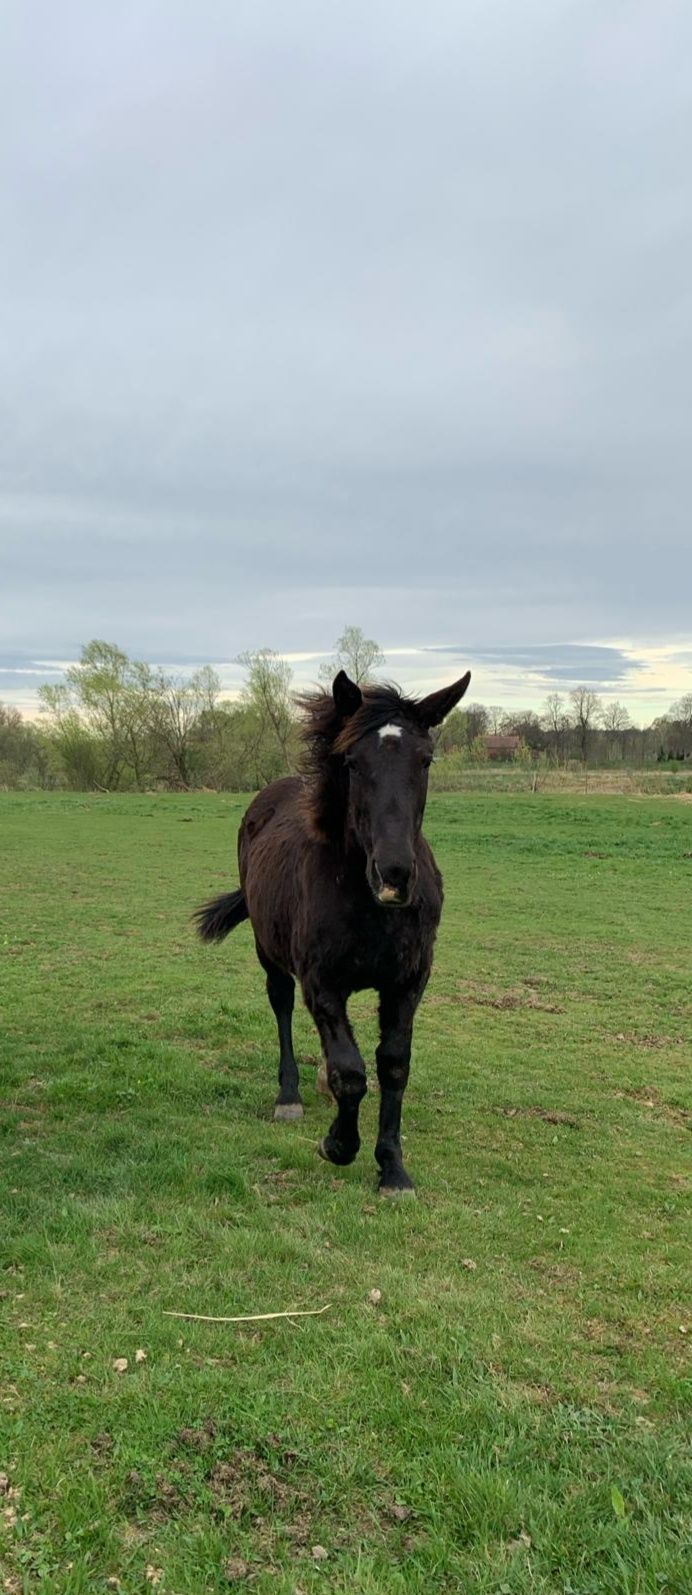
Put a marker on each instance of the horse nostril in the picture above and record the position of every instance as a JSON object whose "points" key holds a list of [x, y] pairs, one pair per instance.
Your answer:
{"points": [[394, 878]]}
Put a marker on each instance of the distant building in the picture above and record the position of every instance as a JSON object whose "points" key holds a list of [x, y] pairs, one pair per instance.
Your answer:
{"points": [[501, 746]]}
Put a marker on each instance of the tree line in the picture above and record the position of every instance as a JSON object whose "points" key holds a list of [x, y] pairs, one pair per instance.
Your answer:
{"points": [[118, 724]]}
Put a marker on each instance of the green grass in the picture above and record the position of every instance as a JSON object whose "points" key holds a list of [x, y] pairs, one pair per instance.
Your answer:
{"points": [[512, 1426], [452, 773]]}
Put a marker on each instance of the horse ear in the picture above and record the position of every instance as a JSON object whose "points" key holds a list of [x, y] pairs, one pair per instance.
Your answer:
{"points": [[347, 696], [435, 708]]}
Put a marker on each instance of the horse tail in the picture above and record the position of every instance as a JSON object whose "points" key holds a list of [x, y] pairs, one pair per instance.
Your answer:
{"points": [[216, 919]]}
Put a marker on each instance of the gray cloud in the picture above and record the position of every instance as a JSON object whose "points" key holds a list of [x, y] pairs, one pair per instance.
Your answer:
{"points": [[559, 664], [377, 314]]}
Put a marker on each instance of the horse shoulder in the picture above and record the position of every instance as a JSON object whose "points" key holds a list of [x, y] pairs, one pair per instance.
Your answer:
{"points": [[430, 879]]}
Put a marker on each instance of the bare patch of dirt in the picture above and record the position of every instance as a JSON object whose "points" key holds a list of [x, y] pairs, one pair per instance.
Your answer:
{"points": [[102, 1444], [259, 1486], [549, 1115], [651, 1039], [399, 1512], [163, 1499], [132, 1535], [514, 997], [606, 1337], [542, 1395], [169, 1497], [276, 1185], [299, 1531], [561, 1273], [240, 1478], [650, 1098], [523, 1390], [198, 1439]]}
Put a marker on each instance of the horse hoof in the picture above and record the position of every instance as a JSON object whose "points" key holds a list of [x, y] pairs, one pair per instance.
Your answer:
{"points": [[393, 1192], [329, 1154], [285, 1112]]}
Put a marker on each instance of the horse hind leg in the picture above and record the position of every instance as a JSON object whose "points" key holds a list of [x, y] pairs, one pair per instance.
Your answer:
{"points": [[322, 1082], [281, 994]]}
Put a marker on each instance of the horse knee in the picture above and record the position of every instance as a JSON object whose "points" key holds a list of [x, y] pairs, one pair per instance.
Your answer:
{"points": [[393, 1070], [347, 1083]]}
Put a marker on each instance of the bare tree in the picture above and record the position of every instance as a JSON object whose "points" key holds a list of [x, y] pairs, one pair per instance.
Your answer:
{"points": [[586, 707], [358, 655], [556, 722], [615, 717], [496, 718], [23, 755], [526, 724], [681, 718], [616, 721], [554, 717], [682, 710]]}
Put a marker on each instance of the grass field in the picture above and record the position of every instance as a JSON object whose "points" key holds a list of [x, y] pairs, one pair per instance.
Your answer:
{"points": [[510, 1414]]}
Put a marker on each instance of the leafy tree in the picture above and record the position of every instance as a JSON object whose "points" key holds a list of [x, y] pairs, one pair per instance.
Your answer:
{"points": [[271, 725], [477, 723], [177, 708], [478, 751], [355, 653], [112, 698], [452, 736], [78, 748]]}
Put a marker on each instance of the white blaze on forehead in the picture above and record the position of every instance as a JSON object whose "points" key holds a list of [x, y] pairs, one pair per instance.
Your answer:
{"points": [[390, 731]]}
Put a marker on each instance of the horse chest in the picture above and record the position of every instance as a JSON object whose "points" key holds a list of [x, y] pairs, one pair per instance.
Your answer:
{"points": [[382, 948]]}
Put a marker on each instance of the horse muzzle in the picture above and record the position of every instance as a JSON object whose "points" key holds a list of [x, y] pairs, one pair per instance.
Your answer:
{"points": [[392, 885]]}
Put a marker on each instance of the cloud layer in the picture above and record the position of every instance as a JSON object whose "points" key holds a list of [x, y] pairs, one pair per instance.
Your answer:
{"points": [[378, 314]]}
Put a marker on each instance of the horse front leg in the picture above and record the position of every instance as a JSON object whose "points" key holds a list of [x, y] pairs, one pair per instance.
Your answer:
{"points": [[345, 1071], [397, 1009]]}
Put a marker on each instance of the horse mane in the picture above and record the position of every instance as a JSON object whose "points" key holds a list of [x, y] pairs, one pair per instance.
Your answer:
{"points": [[327, 736]]}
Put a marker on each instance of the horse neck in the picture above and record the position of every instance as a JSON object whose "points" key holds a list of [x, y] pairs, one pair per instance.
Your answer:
{"points": [[328, 807]]}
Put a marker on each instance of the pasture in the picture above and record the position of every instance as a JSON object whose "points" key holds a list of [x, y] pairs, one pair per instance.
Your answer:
{"points": [[495, 1400]]}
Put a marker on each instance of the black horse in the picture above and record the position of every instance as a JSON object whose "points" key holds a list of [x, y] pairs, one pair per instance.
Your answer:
{"points": [[343, 893]]}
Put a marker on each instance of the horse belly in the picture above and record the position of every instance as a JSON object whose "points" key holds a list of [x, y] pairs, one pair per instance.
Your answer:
{"points": [[269, 855]]}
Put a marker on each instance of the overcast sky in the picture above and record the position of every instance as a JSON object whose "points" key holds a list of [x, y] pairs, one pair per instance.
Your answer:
{"points": [[375, 313]]}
